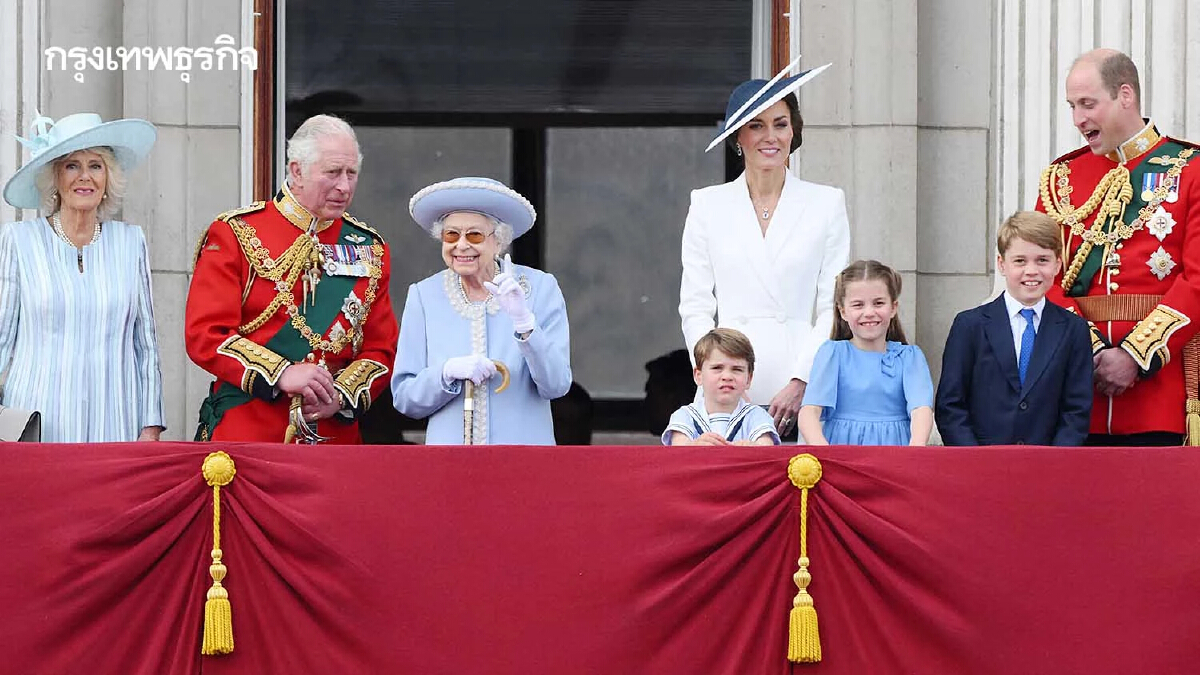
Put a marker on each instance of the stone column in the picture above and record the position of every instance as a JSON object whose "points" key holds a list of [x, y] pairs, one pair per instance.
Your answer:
{"points": [[21, 64], [860, 116], [193, 174], [953, 216]]}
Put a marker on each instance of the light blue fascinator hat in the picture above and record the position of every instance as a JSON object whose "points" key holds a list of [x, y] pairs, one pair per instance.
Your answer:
{"points": [[752, 97], [480, 195], [129, 139]]}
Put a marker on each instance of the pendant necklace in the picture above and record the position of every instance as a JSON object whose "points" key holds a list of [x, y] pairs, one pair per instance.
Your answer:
{"points": [[56, 223]]}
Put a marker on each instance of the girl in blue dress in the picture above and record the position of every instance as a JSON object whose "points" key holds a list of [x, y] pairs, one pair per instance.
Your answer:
{"points": [[868, 386]]}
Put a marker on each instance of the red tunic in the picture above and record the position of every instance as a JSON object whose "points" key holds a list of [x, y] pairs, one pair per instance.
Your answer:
{"points": [[1152, 250], [229, 326]]}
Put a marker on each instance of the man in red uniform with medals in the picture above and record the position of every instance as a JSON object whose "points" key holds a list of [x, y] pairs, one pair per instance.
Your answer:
{"points": [[1131, 263], [289, 306]]}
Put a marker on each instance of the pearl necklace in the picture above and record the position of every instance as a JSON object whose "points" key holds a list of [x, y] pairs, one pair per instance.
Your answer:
{"points": [[56, 223]]}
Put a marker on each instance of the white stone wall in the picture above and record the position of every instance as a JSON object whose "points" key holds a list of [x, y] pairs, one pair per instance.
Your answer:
{"points": [[860, 123]]}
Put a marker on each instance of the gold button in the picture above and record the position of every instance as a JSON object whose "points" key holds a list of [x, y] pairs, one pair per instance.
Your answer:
{"points": [[1148, 332], [1141, 338], [1120, 246], [1158, 320], [1115, 271], [1113, 286]]}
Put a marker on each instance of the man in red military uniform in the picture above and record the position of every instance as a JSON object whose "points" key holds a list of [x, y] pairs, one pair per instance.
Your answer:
{"points": [[289, 306], [1130, 212]]}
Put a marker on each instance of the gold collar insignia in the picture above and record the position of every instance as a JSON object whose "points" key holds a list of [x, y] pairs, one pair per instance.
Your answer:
{"points": [[296, 214], [1137, 146]]}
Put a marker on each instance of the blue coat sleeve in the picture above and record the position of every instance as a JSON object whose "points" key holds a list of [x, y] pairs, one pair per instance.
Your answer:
{"points": [[145, 346], [1075, 408], [547, 350], [952, 410], [918, 385], [417, 387]]}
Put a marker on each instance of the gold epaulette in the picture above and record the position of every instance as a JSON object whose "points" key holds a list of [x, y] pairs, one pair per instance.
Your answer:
{"points": [[233, 213], [1072, 155], [226, 216], [363, 226]]}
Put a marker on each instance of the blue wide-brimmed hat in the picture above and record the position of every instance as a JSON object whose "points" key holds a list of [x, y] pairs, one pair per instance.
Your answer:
{"points": [[130, 140], [752, 97], [480, 195]]}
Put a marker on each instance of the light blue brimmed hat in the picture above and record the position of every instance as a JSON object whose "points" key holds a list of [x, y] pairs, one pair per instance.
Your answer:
{"points": [[130, 140], [480, 195], [752, 97]]}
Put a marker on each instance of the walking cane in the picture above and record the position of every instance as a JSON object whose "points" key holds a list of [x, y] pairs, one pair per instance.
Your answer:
{"points": [[469, 402]]}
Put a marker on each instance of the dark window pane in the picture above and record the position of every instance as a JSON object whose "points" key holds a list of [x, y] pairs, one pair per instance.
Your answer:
{"points": [[616, 201], [518, 56]]}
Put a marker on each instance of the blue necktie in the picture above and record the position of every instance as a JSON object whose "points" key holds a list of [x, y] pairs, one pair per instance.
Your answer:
{"points": [[1026, 344]]}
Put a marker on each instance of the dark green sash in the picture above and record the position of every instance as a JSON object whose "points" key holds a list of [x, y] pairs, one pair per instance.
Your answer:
{"points": [[287, 341], [1095, 260]]}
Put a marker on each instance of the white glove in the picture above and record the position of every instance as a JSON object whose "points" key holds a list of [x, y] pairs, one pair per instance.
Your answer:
{"points": [[511, 297], [475, 368]]}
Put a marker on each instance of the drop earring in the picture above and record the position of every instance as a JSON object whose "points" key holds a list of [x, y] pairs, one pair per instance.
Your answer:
{"points": [[738, 149]]}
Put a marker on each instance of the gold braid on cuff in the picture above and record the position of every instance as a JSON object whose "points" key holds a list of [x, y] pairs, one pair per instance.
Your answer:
{"points": [[1149, 337], [354, 382], [255, 358]]}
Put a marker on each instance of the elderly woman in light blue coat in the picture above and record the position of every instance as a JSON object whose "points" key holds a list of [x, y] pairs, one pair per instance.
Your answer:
{"points": [[481, 310]]}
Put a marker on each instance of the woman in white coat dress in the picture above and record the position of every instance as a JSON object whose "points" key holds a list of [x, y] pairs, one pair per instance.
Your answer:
{"points": [[761, 253]]}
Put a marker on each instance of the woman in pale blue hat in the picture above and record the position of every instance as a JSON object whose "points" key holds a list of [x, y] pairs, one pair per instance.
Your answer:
{"points": [[479, 322], [762, 252], [76, 320]]}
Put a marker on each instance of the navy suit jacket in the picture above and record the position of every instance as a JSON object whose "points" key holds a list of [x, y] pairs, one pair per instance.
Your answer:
{"points": [[980, 398]]}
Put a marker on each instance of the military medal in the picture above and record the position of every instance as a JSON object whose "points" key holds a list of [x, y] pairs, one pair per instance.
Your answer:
{"points": [[1160, 263], [1160, 224], [347, 261], [1150, 184]]}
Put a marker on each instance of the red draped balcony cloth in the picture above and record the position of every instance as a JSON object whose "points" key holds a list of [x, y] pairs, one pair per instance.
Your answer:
{"points": [[612, 561]]}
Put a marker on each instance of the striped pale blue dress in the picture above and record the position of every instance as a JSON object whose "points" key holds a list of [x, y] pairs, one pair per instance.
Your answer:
{"points": [[79, 348]]}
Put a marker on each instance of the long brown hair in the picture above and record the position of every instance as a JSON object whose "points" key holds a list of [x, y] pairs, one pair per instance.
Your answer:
{"points": [[866, 270]]}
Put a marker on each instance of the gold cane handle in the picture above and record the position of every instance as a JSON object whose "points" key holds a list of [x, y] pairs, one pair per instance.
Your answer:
{"points": [[503, 370]]}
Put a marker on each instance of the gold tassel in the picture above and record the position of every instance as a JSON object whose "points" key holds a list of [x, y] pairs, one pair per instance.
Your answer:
{"points": [[804, 639], [1193, 422], [218, 470], [1191, 385]]}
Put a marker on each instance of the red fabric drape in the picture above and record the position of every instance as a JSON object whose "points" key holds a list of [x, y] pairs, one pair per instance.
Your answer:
{"points": [[601, 560]]}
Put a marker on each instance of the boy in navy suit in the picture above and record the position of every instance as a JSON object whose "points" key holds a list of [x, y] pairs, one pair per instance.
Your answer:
{"points": [[1018, 370]]}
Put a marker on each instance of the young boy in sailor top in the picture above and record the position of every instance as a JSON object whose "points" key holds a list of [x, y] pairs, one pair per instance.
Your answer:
{"points": [[721, 416]]}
